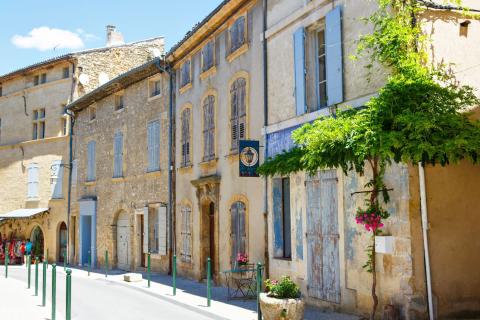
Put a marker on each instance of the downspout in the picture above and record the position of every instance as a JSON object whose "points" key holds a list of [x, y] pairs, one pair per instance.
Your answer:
{"points": [[265, 141], [423, 208]]}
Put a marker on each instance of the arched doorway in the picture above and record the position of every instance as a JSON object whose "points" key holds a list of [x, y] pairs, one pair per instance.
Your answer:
{"points": [[62, 242], [37, 240], [123, 241]]}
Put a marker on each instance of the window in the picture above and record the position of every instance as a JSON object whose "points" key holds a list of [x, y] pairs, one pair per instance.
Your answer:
{"points": [[36, 80], [185, 138], [92, 113], [153, 145], [1, 91], [281, 218], [118, 155], [208, 56], [91, 166], [186, 234], [238, 231], [38, 124], [118, 101], [238, 115], [43, 78], [237, 34], [185, 73], [155, 88], [321, 69], [66, 72], [33, 181], [157, 230], [209, 128], [56, 179], [64, 122]]}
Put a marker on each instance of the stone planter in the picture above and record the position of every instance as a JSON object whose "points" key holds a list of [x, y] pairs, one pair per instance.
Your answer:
{"points": [[281, 309]]}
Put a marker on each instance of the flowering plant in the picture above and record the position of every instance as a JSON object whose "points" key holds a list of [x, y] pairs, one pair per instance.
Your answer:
{"points": [[242, 259], [283, 289], [371, 217]]}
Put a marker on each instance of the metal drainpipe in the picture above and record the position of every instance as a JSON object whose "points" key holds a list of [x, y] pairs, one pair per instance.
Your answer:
{"points": [[170, 164], [423, 206], [265, 141]]}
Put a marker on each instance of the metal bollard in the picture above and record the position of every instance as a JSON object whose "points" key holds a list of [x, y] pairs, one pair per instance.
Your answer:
{"points": [[6, 265], [68, 311], [174, 275], [36, 276], [89, 263], [148, 269], [106, 263], [29, 269], [209, 285], [259, 289], [54, 290], [44, 284], [46, 258]]}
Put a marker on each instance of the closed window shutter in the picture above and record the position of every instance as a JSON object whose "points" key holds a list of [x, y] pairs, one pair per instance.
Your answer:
{"points": [[241, 31], [145, 230], [153, 145], [238, 231], [186, 137], [118, 155], [162, 231], [91, 167], [299, 66], [57, 179], [334, 58], [209, 128], [242, 109], [33, 179], [74, 171], [277, 218], [238, 110], [186, 234]]}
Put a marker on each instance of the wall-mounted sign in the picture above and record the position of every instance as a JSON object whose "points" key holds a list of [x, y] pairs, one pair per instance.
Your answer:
{"points": [[249, 158]]}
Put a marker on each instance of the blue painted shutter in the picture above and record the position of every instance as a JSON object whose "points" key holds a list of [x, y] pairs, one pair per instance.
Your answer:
{"points": [[153, 145], [118, 155], [299, 61], [32, 184], [57, 179], [334, 65], [277, 218], [91, 161]]}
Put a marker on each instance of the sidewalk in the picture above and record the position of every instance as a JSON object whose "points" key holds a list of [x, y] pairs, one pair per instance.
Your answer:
{"points": [[192, 295], [17, 302]]}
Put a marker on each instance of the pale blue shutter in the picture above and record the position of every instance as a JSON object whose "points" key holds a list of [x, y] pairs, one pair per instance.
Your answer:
{"points": [[118, 155], [162, 231], [91, 161], [57, 179], [32, 183], [277, 218], [150, 147], [156, 146], [299, 63], [334, 65]]}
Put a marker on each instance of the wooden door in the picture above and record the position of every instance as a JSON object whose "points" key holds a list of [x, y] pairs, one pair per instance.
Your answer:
{"points": [[123, 239], [322, 236], [211, 215], [238, 231]]}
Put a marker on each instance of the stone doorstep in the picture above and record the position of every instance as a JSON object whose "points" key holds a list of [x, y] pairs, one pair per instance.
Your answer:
{"points": [[132, 277]]}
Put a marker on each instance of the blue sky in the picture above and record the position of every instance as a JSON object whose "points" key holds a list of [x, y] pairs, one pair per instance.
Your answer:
{"points": [[30, 29]]}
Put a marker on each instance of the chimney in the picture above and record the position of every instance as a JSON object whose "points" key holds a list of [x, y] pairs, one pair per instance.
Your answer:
{"points": [[114, 37]]}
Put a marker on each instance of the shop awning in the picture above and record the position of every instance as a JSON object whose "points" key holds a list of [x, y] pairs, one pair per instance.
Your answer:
{"points": [[22, 213]]}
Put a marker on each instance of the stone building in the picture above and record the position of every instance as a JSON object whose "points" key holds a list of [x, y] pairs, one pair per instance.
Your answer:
{"points": [[121, 147], [34, 139], [312, 234], [219, 102]]}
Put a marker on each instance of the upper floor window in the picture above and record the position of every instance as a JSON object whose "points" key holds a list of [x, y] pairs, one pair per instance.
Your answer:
{"points": [[185, 71], [155, 88], [43, 78], [65, 72], [92, 113], [1, 91], [118, 155], [33, 178], [209, 128], [38, 124], [118, 101], [91, 166], [64, 122], [237, 34], [185, 138], [208, 56], [238, 114], [153, 145]]}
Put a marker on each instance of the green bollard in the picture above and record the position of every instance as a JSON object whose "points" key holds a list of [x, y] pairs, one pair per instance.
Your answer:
{"points": [[106, 263], [148, 269], [68, 311], [259, 289], [29, 269], [174, 275], [6, 266], [46, 258], [89, 263], [36, 276], [44, 284], [54, 290], [209, 285], [64, 264]]}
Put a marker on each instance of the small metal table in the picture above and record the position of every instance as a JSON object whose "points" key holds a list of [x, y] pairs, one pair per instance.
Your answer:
{"points": [[241, 282]]}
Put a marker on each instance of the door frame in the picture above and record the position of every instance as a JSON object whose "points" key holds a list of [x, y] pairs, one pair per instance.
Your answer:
{"points": [[88, 207]]}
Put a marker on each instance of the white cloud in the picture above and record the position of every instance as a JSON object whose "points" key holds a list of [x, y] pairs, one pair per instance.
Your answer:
{"points": [[45, 38]]}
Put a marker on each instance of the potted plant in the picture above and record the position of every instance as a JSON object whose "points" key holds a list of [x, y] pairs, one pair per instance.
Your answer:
{"points": [[242, 259], [282, 300]]}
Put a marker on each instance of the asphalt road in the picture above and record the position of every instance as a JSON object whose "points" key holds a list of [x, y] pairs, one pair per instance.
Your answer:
{"points": [[99, 299]]}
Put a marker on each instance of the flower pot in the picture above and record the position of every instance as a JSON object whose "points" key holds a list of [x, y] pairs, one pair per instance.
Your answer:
{"points": [[281, 309]]}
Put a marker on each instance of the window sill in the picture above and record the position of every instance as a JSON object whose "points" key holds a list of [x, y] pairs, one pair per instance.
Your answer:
{"points": [[57, 199], [155, 97], [185, 88], [232, 156], [119, 110], [282, 259], [90, 183], [209, 162], [33, 199], [207, 73], [153, 173], [185, 168], [237, 53], [118, 179]]}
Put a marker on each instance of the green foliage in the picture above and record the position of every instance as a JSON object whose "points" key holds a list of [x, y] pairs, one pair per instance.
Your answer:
{"points": [[283, 289]]}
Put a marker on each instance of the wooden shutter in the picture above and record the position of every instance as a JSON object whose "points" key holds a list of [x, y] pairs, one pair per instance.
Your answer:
{"points": [[242, 109], [299, 66], [238, 231], [240, 31], [186, 234], [277, 217], [153, 145], [145, 230], [185, 137], [33, 179], [234, 116], [162, 230], [91, 161], [118, 155], [57, 179], [334, 58], [209, 128]]}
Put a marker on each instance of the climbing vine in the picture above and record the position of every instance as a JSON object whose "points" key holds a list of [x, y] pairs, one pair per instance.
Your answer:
{"points": [[419, 116]]}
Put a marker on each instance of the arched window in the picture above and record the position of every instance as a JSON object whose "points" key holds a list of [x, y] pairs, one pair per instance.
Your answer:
{"points": [[209, 128], [185, 138], [238, 112], [186, 234], [238, 231]]}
